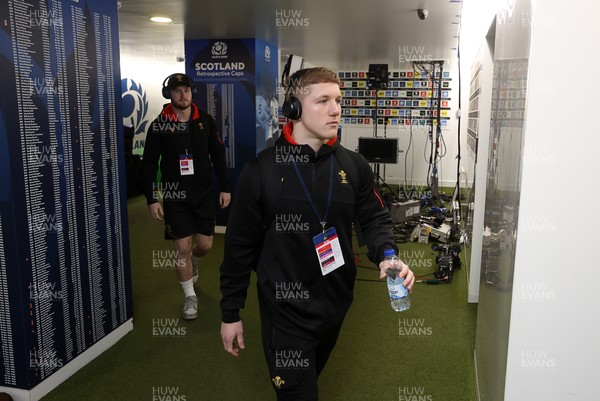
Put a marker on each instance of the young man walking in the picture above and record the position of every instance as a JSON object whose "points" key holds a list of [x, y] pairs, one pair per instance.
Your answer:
{"points": [[296, 231], [183, 142]]}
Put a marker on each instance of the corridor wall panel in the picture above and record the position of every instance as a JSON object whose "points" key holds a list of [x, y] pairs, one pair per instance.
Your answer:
{"points": [[64, 250]]}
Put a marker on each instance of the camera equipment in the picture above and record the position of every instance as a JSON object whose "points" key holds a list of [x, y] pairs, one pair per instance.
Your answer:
{"points": [[442, 232], [377, 76], [447, 259], [404, 211], [422, 13], [379, 150], [435, 70]]}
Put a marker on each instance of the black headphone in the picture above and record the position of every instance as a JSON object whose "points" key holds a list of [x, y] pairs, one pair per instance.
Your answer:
{"points": [[292, 108], [183, 78]]}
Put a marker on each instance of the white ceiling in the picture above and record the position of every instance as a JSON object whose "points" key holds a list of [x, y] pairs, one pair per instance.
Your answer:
{"points": [[339, 34]]}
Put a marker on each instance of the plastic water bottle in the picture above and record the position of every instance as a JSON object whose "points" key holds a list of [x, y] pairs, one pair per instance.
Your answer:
{"points": [[399, 297]]}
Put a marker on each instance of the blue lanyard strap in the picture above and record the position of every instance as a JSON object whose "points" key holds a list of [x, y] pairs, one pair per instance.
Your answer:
{"points": [[323, 220]]}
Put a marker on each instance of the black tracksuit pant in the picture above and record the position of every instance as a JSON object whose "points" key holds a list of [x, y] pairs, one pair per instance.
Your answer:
{"points": [[294, 362]]}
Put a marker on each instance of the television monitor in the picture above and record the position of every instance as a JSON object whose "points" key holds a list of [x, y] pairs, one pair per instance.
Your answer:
{"points": [[379, 150]]}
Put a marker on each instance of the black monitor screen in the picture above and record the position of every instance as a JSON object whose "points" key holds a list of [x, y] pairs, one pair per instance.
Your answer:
{"points": [[379, 150]]}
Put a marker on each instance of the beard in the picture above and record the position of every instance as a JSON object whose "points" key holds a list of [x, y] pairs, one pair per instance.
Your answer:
{"points": [[181, 104]]}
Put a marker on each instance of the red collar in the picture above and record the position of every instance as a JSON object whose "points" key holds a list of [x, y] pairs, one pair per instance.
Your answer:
{"points": [[170, 113], [287, 134]]}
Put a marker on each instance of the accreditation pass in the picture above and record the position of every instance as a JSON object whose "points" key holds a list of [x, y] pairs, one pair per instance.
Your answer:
{"points": [[329, 251], [186, 164]]}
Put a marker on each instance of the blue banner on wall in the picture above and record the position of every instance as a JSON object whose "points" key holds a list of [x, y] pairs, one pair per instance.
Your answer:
{"points": [[64, 256], [226, 73], [267, 105]]}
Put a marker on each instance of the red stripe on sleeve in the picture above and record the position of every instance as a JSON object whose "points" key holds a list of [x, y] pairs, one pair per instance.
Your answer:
{"points": [[378, 197]]}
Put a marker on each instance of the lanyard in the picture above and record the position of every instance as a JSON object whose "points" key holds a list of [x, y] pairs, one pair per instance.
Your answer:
{"points": [[186, 135], [323, 220]]}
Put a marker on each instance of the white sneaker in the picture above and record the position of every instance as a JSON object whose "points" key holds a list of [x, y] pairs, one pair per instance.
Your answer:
{"points": [[190, 308], [195, 263]]}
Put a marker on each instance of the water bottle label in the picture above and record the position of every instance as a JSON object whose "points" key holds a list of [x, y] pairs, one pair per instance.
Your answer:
{"points": [[397, 291]]}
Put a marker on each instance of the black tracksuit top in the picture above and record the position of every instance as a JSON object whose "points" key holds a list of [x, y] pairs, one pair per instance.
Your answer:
{"points": [[293, 293], [167, 139]]}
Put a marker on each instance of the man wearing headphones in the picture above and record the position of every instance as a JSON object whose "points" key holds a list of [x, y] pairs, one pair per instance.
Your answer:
{"points": [[294, 227], [184, 144]]}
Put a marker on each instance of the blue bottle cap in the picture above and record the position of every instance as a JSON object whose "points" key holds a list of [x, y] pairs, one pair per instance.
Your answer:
{"points": [[389, 252]]}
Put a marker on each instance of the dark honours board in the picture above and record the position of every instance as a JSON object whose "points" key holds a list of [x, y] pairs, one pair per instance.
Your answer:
{"points": [[64, 255]]}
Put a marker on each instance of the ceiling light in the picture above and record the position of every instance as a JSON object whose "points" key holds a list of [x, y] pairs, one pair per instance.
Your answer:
{"points": [[162, 20]]}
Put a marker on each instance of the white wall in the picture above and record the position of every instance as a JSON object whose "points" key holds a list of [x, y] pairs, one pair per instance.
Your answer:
{"points": [[149, 72], [478, 172], [553, 347], [477, 17]]}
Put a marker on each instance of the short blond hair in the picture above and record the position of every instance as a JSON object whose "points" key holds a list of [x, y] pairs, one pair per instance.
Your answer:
{"points": [[298, 81]]}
